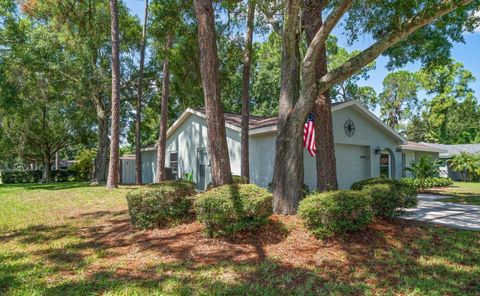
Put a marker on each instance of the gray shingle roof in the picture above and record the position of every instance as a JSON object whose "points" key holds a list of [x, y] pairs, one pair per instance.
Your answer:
{"points": [[453, 150], [254, 121]]}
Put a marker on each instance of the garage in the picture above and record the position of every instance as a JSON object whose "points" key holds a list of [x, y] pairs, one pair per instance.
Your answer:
{"points": [[352, 164]]}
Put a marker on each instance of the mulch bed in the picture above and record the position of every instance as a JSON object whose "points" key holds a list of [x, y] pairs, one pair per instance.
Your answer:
{"points": [[284, 238]]}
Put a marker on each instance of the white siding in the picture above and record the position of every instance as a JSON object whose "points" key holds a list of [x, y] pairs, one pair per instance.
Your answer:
{"points": [[355, 156], [353, 164], [368, 134], [186, 140]]}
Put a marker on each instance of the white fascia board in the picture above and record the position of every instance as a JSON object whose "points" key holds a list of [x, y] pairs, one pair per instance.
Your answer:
{"points": [[263, 130], [424, 149]]}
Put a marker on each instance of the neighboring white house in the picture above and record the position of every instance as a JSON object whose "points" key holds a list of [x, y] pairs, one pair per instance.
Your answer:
{"points": [[364, 147], [449, 152]]}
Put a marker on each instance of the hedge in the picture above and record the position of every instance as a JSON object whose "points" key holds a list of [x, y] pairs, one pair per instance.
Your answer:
{"points": [[336, 212], [406, 192], [35, 176], [158, 205], [429, 182], [228, 209]]}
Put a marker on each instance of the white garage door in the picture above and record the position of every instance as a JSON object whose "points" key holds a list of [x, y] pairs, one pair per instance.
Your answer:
{"points": [[352, 164]]}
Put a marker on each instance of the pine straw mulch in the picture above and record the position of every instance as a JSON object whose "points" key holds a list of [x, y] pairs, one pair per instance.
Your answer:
{"points": [[283, 239]]}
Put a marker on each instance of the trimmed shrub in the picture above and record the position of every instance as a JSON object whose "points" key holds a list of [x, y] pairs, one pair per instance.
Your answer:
{"points": [[239, 179], [429, 182], [386, 200], [228, 209], [336, 212], [406, 192], [163, 204], [183, 186], [236, 180]]}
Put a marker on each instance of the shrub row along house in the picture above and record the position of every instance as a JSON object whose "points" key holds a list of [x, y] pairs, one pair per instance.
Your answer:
{"points": [[364, 148]]}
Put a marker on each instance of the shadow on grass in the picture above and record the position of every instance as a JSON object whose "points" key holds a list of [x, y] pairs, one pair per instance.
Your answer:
{"points": [[223, 278], [391, 257], [430, 260]]}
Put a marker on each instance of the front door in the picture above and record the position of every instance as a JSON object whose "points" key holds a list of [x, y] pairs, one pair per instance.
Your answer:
{"points": [[202, 166]]}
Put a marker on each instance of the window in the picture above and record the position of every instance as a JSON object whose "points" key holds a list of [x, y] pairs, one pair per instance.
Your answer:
{"points": [[385, 165], [174, 163]]}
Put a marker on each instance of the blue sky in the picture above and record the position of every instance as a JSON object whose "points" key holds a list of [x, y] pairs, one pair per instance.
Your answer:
{"points": [[468, 53]]}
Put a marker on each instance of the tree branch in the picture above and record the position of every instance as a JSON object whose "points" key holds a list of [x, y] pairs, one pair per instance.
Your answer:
{"points": [[322, 34], [359, 61]]}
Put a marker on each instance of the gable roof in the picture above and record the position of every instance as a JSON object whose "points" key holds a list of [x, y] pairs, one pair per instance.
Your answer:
{"points": [[260, 125], [452, 150]]}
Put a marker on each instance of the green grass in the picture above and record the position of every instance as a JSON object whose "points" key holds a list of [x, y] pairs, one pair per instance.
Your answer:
{"points": [[73, 239], [461, 192]]}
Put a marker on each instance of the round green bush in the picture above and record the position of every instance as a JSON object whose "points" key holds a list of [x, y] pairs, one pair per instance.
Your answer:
{"points": [[406, 191], [160, 205], [183, 186], [386, 200], [236, 180], [336, 212], [228, 209]]}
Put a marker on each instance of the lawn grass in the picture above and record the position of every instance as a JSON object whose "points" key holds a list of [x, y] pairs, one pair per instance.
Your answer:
{"points": [[73, 239], [460, 192]]}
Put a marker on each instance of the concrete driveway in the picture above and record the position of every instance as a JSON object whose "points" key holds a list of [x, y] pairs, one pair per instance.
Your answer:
{"points": [[445, 213]]}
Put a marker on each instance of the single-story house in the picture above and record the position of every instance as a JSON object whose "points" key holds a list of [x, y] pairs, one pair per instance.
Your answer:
{"points": [[364, 147], [449, 152]]}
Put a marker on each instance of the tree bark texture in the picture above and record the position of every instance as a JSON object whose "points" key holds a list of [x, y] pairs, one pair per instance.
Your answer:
{"points": [[247, 60], [101, 159], [57, 160], [288, 167], [324, 141], [113, 167], [161, 174], [138, 105], [217, 141], [46, 171], [293, 113]]}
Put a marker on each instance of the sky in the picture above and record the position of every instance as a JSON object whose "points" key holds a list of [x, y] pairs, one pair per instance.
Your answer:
{"points": [[467, 53]]}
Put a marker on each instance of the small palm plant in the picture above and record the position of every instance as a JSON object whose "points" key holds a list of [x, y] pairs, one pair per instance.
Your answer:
{"points": [[425, 167], [465, 163]]}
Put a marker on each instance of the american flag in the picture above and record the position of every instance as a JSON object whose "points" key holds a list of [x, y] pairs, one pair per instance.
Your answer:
{"points": [[309, 136]]}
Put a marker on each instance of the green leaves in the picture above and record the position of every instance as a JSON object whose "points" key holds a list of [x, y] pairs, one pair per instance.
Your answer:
{"points": [[423, 168], [467, 164], [399, 97]]}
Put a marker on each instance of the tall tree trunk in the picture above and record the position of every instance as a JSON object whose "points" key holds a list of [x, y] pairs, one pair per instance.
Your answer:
{"points": [[138, 115], [247, 59], [288, 167], [324, 142], [46, 171], [47, 157], [217, 140], [161, 175], [57, 160], [101, 159], [113, 167]]}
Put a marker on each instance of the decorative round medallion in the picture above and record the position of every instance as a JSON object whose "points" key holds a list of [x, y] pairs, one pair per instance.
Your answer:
{"points": [[349, 127]]}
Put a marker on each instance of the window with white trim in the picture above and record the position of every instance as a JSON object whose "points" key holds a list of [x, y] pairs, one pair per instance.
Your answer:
{"points": [[385, 165]]}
